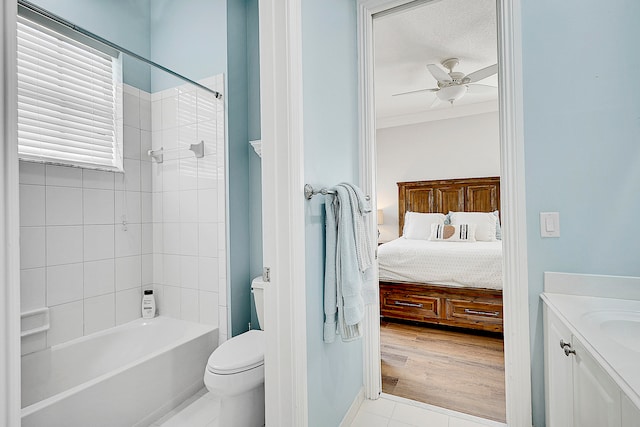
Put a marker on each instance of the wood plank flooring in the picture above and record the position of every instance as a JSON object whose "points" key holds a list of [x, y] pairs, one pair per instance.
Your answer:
{"points": [[456, 370]]}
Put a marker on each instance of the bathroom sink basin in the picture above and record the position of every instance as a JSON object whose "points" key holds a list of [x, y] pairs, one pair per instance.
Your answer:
{"points": [[622, 327]]}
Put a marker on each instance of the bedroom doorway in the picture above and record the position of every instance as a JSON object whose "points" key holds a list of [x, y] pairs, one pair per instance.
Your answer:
{"points": [[440, 92]]}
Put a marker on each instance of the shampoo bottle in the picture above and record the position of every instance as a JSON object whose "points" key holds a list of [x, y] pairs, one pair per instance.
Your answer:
{"points": [[148, 304]]}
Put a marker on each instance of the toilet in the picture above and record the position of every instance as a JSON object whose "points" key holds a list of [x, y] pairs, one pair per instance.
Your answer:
{"points": [[235, 372]]}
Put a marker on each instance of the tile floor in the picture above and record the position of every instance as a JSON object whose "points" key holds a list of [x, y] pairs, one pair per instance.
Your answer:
{"points": [[202, 410]]}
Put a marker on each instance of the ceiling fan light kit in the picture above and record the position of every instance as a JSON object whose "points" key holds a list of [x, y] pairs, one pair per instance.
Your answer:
{"points": [[454, 85]]}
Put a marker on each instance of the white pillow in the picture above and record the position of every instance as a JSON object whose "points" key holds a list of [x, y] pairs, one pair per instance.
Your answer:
{"points": [[417, 226], [485, 223], [453, 233]]}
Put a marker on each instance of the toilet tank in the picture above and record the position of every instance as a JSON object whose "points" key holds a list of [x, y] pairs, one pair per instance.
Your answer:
{"points": [[257, 289]]}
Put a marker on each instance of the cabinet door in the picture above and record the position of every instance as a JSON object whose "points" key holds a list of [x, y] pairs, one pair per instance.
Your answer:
{"points": [[596, 398], [557, 373], [630, 413]]}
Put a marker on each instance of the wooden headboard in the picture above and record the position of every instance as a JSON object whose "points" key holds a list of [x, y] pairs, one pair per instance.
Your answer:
{"points": [[461, 195]]}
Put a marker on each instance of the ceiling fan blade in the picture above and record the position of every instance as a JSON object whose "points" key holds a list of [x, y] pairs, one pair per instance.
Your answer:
{"points": [[483, 73], [438, 73], [416, 91], [435, 102], [480, 88]]}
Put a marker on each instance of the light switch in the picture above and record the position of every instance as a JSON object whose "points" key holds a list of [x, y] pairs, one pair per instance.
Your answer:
{"points": [[550, 224]]}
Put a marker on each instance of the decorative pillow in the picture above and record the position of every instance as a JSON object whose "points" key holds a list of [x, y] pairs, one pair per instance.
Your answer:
{"points": [[485, 223], [453, 233], [417, 226], [498, 228]]}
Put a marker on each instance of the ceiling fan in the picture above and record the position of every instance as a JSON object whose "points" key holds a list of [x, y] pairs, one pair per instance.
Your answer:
{"points": [[454, 85]]}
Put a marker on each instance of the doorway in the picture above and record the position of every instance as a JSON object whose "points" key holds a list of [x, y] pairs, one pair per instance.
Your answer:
{"points": [[438, 146], [516, 331]]}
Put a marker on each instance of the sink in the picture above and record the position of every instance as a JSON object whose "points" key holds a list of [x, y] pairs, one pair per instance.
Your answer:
{"points": [[623, 327]]}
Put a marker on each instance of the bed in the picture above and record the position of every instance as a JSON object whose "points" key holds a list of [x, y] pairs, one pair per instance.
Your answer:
{"points": [[446, 283]]}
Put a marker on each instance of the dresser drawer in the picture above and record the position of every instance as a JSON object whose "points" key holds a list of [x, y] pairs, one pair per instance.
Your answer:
{"points": [[409, 306], [473, 312]]}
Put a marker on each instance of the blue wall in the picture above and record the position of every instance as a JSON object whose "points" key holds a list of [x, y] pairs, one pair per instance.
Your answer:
{"points": [[188, 37], [330, 88], [582, 149], [124, 22]]}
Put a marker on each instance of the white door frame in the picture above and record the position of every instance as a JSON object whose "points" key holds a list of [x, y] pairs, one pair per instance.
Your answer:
{"points": [[515, 293], [9, 223], [283, 214]]}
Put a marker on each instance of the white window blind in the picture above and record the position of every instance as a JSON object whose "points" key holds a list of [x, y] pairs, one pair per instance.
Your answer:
{"points": [[67, 96]]}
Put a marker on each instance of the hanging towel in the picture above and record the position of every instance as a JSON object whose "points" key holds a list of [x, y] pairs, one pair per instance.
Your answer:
{"points": [[349, 260]]}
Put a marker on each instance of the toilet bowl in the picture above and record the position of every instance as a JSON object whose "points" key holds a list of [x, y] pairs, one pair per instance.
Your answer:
{"points": [[235, 373]]}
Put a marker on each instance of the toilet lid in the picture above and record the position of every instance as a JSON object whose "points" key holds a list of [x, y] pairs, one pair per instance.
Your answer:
{"points": [[240, 353]]}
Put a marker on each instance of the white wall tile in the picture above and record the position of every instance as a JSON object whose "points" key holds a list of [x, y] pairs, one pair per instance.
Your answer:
{"points": [[158, 293], [99, 278], [156, 114], [207, 133], [222, 291], [158, 268], [64, 206], [208, 274], [187, 135], [31, 173], [128, 305], [189, 206], [128, 272], [131, 142], [208, 240], [63, 176], [145, 114], [97, 179], [158, 238], [32, 205], [64, 283], [208, 205], [171, 238], [157, 173], [131, 106], [171, 206], [208, 308], [188, 171], [98, 242], [207, 172], [156, 203], [64, 245], [128, 207], [170, 177], [32, 289], [32, 247], [189, 272], [187, 107], [147, 238], [147, 269], [172, 270], [146, 204], [222, 320], [128, 241], [189, 239], [98, 206], [146, 144], [130, 179], [33, 343], [66, 322], [145, 177], [189, 305], [169, 112], [169, 138], [99, 313], [171, 302]]}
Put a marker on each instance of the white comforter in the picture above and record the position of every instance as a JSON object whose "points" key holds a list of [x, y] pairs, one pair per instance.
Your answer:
{"points": [[469, 264]]}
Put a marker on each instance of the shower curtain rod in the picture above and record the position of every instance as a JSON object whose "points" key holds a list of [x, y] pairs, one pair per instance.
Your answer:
{"points": [[61, 21]]}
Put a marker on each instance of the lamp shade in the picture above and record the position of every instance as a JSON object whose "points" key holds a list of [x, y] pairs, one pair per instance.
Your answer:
{"points": [[451, 93], [380, 217]]}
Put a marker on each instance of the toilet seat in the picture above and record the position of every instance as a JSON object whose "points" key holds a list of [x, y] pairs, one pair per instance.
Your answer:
{"points": [[238, 354]]}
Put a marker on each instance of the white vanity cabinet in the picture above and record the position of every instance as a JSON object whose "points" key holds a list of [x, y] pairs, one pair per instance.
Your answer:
{"points": [[578, 391]]}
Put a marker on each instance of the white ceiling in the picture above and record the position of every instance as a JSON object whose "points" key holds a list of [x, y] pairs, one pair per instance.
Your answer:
{"points": [[408, 40]]}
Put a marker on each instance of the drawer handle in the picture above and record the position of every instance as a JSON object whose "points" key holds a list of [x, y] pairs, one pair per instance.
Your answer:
{"points": [[482, 313], [408, 304]]}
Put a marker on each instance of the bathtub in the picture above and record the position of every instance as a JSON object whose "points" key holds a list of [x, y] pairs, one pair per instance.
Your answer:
{"points": [[126, 376]]}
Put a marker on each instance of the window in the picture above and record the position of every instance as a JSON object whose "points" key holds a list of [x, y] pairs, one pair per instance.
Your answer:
{"points": [[67, 100]]}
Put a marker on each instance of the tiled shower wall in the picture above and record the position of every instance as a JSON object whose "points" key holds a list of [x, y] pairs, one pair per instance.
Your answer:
{"points": [[91, 241], [189, 273]]}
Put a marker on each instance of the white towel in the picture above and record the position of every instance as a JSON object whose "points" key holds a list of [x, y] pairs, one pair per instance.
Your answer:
{"points": [[348, 263]]}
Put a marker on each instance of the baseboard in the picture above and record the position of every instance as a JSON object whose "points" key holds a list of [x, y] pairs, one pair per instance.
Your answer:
{"points": [[353, 409]]}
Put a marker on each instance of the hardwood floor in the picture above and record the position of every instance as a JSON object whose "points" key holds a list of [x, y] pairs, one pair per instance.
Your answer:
{"points": [[456, 370]]}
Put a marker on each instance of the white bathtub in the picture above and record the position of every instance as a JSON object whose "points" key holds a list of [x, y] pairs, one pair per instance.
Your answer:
{"points": [[125, 376]]}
